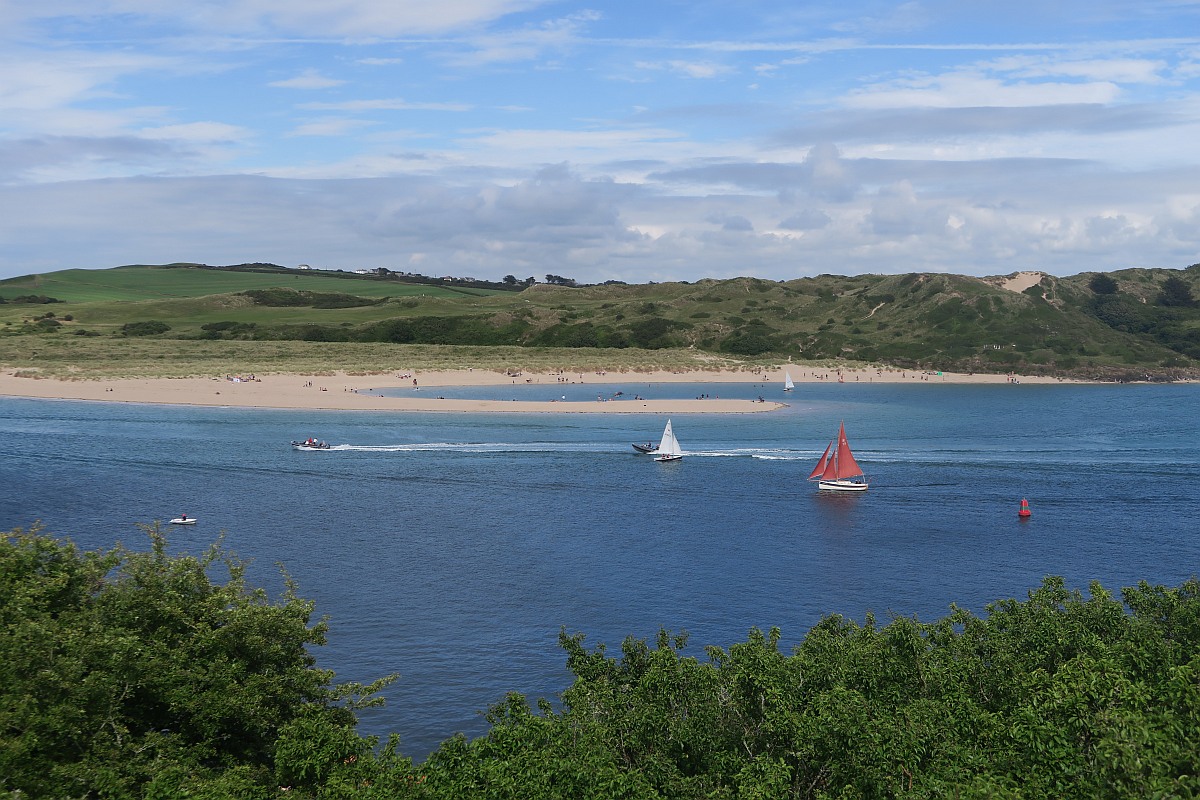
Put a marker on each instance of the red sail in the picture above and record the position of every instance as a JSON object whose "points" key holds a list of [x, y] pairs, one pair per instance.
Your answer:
{"points": [[820, 468], [846, 467], [831, 472]]}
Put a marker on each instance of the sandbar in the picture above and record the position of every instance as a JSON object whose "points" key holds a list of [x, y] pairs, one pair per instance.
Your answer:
{"points": [[341, 391]]}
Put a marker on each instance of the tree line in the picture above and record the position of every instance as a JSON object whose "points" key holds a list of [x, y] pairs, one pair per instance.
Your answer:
{"points": [[127, 674]]}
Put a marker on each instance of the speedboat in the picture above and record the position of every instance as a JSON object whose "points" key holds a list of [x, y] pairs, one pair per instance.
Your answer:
{"points": [[310, 444], [645, 447], [183, 519]]}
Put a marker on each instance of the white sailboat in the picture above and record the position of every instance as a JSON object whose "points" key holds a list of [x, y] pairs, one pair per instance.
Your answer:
{"points": [[787, 381], [668, 448]]}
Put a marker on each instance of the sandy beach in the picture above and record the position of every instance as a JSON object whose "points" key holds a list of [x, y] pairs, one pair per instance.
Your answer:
{"points": [[340, 391]]}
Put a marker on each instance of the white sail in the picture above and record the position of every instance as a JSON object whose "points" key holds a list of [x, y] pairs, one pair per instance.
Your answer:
{"points": [[787, 381], [668, 443], [668, 448]]}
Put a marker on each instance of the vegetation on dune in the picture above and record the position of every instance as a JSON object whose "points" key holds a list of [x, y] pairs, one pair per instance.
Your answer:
{"points": [[136, 675], [1131, 324], [86, 357]]}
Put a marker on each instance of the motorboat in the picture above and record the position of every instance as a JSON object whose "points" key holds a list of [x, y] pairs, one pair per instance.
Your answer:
{"points": [[310, 444], [183, 519]]}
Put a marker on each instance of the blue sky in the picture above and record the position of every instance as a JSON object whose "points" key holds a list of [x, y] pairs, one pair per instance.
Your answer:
{"points": [[656, 140]]}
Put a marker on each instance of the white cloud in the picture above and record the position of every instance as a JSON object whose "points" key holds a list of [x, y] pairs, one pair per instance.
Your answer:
{"points": [[33, 81], [688, 69], [522, 44], [971, 88], [333, 126], [308, 79], [1114, 70], [383, 104], [320, 18], [196, 132], [534, 146]]}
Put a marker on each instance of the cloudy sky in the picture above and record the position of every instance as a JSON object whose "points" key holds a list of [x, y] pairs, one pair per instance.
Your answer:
{"points": [[636, 141]]}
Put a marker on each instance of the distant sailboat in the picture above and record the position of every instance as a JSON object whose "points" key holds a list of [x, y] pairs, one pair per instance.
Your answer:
{"points": [[837, 471], [668, 448], [787, 381]]}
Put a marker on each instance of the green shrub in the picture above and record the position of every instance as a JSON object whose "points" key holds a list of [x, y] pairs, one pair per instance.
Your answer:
{"points": [[150, 327]]}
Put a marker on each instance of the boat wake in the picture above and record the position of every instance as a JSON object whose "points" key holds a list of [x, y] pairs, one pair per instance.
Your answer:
{"points": [[769, 454], [474, 447], [564, 447]]}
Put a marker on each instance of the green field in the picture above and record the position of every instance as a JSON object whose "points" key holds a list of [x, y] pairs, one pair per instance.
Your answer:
{"points": [[1133, 325], [141, 282]]}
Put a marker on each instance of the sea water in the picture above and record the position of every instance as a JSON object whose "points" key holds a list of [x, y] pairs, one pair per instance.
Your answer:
{"points": [[452, 548]]}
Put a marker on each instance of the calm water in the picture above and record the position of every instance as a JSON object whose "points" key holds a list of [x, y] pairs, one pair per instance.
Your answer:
{"points": [[452, 548]]}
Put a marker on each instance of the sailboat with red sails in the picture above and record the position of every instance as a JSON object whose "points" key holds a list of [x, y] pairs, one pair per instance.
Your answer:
{"points": [[837, 471]]}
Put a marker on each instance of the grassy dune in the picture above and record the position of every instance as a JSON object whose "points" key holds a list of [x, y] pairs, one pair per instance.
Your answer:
{"points": [[94, 358]]}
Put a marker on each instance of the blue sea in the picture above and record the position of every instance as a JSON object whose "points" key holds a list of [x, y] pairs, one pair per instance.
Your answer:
{"points": [[452, 548]]}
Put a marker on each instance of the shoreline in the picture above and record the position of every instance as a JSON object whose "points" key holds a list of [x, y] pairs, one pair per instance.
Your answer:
{"points": [[340, 391]]}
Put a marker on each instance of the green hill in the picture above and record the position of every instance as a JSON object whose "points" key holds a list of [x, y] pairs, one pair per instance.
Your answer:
{"points": [[1130, 324], [148, 282]]}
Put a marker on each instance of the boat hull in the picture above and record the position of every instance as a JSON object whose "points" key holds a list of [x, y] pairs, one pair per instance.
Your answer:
{"points": [[183, 521], [668, 457], [841, 486], [645, 448]]}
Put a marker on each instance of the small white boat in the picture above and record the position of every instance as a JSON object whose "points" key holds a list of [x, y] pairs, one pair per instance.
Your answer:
{"points": [[668, 448], [183, 519], [787, 381], [837, 471], [310, 444]]}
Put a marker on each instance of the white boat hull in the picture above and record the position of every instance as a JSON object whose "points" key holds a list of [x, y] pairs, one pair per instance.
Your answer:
{"points": [[841, 486], [181, 521], [669, 457]]}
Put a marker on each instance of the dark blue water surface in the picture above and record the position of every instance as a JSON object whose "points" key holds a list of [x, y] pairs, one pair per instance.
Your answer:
{"points": [[451, 548]]}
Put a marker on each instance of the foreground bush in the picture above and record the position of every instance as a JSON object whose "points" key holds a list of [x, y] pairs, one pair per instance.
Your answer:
{"points": [[1059, 696], [128, 674], [132, 675]]}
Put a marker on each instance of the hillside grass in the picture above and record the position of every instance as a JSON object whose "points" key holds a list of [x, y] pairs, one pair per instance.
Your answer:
{"points": [[918, 321], [144, 282]]}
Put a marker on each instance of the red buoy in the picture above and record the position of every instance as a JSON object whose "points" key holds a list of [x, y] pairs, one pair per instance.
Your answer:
{"points": [[1024, 513]]}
